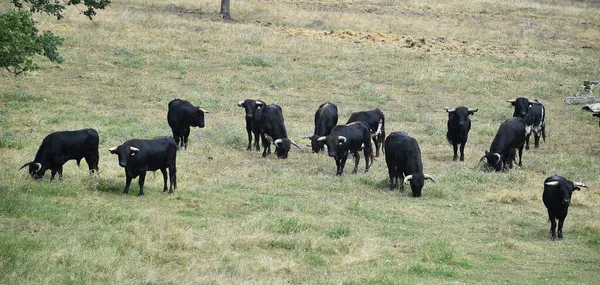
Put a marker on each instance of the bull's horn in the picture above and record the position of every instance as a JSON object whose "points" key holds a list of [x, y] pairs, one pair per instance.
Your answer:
{"points": [[306, 137], [407, 178], [277, 142], [579, 184], [135, 149], [259, 102], [552, 183], [473, 110], [241, 103], [321, 139], [295, 144], [38, 166], [112, 149], [481, 159], [498, 155], [511, 100], [342, 138], [26, 164], [427, 176], [449, 110], [203, 111]]}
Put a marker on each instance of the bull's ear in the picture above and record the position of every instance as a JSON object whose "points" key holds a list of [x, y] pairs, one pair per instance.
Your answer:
{"points": [[113, 150]]}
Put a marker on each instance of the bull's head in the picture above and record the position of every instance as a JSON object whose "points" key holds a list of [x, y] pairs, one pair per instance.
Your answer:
{"points": [[334, 144], [493, 159], [522, 106], [283, 146], [460, 115], [565, 190], [250, 106], [417, 181], [315, 144], [197, 115], [124, 152], [35, 170]]}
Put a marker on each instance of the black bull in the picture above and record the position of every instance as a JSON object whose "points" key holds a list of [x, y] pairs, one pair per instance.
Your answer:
{"points": [[59, 147]]}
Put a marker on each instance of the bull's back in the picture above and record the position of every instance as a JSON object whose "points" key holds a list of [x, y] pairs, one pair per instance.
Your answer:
{"points": [[404, 151], [71, 144], [511, 134], [154, 154]]}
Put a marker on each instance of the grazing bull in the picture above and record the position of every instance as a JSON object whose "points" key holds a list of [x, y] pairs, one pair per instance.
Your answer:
{"points": [[557, 197], [376, 121], [253, 115], [459, 125], [273, 131], [403, 159], [140, 156], [350, 138], [326, 118], [534, 114], [510, 136], [59, 147], [181, 116]]}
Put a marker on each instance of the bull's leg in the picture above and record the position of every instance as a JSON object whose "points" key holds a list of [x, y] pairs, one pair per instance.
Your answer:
{"points": [[356, 161], [520, 155], [60, 173], [342, 164], [462, 151], [266, 145], [339, 168], [52, 172], [127, 183], [392, 173], [455, 150], [141, 182], [561, 220], [92, 162], [552, 225], [376, 142], [177, 137], [249, 131], [172, 178], [164, 173], [536, 136], [186, 135], [256, 141], [527, 141]]}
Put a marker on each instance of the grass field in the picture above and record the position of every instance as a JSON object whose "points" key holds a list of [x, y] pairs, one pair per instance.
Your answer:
{"points": [[237, 218]]}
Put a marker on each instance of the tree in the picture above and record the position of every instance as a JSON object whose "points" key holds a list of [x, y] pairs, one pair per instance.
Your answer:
{"points": [[225, 12], [19, 37]]}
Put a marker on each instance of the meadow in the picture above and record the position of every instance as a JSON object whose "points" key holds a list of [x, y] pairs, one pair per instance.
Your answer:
{"points": [[238, 218]]}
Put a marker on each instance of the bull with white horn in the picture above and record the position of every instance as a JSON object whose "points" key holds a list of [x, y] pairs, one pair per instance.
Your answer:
{"points": [[557, 197], [509, 138], [459, 126], [273, 131], [326, 118], [403, 159], [59, 147], [349, 139]]}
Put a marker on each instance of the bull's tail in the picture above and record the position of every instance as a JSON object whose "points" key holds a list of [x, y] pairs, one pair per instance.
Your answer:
{"points": [[544, 131]]}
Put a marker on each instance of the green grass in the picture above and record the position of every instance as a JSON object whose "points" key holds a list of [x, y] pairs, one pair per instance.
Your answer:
{"points": [[237, 218]]}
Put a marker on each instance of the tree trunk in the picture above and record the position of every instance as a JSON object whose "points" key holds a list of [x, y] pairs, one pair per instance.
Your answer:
{"points": [[225, 12]]}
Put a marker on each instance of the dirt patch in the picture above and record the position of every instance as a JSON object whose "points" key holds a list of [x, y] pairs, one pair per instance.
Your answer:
{"points": [[433, 45]]}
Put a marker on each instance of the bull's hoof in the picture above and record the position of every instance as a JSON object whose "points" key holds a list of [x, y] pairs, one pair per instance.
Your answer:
{"points": [[339, 174], [165, 190], [141, 195], [455, 158], [526, 148]]}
